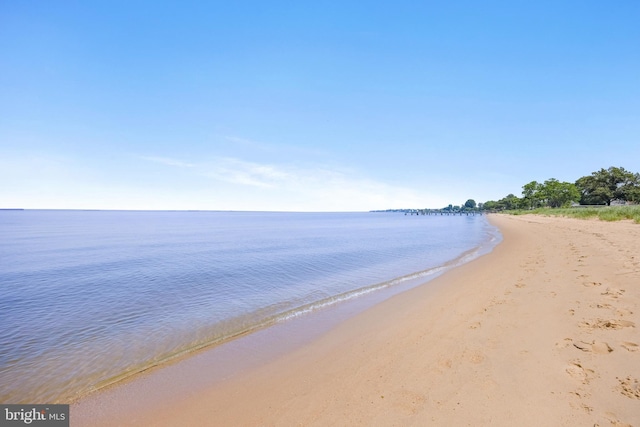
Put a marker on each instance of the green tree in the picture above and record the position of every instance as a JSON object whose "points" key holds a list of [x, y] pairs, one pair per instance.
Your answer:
{"points": [[631, 193], [470, 204], [605, 185], [558, 194], [532, 196], [509, 202], [490, 205]]}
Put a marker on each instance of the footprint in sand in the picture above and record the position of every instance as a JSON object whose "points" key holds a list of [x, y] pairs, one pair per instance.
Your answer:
{"points": [[407, 401], [564, 343], [601, 306], [620, 424], [599, 347], [476, 357], [591, 284], [615, 422], [623, 312], [577, 371], [607, 324], [613, 293], [630, 346], [629, 387]]}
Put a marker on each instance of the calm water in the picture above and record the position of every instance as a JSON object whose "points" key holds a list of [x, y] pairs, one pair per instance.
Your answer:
{"points": [[88, 297]]}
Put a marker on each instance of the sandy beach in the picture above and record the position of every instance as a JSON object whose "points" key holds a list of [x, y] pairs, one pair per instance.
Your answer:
{"points": [[541, 331]]}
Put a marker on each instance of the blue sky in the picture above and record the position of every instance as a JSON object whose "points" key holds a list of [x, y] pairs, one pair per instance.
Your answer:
{"points": [[310, 106]]}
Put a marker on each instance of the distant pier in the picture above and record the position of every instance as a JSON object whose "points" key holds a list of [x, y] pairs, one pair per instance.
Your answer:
{"points": [[442, 212], [445, 211]]}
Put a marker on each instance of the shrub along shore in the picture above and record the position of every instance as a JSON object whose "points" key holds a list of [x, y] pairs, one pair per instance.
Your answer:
{"points": [[595, 194], [604, 213]]}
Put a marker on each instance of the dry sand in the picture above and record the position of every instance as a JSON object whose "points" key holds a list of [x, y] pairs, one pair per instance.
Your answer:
{"points": [[542, 331]]}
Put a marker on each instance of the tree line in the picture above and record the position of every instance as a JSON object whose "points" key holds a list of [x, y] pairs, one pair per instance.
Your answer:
{"points": [[600, 188]]}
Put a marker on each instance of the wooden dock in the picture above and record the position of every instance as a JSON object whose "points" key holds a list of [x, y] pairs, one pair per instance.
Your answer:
{"points": [[470, 212]]}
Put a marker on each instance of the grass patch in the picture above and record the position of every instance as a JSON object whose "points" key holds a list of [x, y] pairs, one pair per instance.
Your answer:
{"points": [[605, 213]]}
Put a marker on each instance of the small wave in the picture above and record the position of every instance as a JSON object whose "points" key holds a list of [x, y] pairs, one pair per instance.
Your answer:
{"points": [[156, 344], [252, 322]]}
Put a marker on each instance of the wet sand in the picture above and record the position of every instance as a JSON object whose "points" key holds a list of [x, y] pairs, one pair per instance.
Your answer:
{"points": [[542, 331]]}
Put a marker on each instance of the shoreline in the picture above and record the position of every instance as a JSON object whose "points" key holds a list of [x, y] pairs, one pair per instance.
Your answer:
{"points": [[518, 336], [296, 327]]}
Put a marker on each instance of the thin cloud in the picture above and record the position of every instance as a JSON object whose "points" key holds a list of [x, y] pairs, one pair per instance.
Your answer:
{"points": [[320, 187], [292, 187], [237, 171]]}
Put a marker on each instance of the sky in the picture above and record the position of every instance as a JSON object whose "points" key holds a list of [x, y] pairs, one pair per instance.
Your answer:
{"points": [[310, 106]]}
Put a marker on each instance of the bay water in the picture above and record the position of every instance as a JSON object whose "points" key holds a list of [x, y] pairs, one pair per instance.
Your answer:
{"points": [[91, 297]]}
